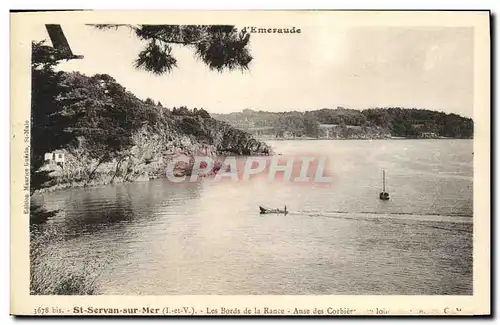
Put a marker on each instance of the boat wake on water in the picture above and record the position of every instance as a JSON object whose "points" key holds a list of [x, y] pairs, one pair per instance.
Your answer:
{"points": [[418, 216], [394, 218], [398, 213]]}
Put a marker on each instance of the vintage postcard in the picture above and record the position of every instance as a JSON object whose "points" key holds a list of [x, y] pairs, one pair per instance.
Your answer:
{"points": [[250, 163]]}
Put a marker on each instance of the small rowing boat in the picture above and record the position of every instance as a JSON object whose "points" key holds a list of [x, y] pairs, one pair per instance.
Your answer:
{"points": [[266, 211]]}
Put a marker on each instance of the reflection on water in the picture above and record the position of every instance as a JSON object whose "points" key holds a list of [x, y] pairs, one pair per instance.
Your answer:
{"points": [[92, 210], [161, 238]]}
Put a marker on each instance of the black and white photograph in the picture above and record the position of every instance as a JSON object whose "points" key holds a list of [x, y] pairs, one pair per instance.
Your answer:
{"points": [[304, 154]]}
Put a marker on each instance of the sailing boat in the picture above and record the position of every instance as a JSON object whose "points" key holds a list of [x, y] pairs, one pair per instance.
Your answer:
{"points": [[384, 195]]}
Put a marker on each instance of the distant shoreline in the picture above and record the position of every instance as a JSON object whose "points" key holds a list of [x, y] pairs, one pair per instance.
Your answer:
{"points": [[343, 123]]}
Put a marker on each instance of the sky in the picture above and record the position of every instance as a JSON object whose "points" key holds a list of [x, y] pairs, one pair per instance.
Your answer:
{"points": [[322, 67]]}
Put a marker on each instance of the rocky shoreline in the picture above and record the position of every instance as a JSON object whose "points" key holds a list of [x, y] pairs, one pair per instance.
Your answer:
{"points": [[149, 157]]}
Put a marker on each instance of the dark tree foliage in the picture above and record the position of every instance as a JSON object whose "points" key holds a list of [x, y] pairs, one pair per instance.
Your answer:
{"points": [[296, 124], [337, 116], [311, 127], [220, 47], [47, 127], [102, 113], [184, 111], [203, 113], [70, 108], [191, 126]]}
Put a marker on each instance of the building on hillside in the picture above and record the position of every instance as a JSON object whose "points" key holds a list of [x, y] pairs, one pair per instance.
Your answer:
{"points": [[55, 157]]}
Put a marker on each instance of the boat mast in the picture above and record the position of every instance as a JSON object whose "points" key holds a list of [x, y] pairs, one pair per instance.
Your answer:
{"points": [[383, 180]]}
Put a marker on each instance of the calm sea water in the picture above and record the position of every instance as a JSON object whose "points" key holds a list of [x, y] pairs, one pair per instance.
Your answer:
{"points": [[157, 238]]}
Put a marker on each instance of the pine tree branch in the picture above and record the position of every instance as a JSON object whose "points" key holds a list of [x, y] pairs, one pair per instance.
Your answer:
{"points": [[152, 35], [218, 46]]}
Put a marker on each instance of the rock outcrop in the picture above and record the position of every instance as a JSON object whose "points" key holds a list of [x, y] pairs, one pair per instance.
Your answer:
{"points": [[153, 148]]}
